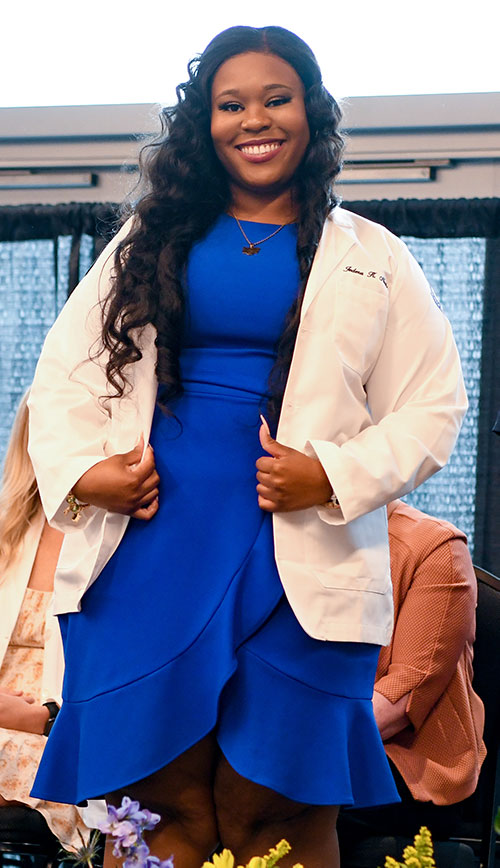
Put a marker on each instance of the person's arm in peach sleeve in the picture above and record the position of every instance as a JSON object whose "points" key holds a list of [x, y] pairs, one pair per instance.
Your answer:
{"points": [[433, 625]]}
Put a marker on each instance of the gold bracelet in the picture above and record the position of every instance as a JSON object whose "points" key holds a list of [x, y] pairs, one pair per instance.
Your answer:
{"points": [[74, 507]]}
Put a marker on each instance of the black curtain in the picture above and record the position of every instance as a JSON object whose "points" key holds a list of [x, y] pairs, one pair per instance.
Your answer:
{"points": [[434, 218], [29, 222], [420, 218], [37, 222]]}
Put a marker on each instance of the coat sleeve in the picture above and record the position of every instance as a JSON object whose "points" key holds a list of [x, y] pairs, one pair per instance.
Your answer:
{"points": [[435, 621], [416, 397], [68, 422]]}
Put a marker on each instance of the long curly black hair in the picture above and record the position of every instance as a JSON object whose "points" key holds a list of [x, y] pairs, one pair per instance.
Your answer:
{"points": [[184, 189]]}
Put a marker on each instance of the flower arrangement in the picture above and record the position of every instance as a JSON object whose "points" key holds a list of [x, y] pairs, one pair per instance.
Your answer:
{"points": [[226, 858], [126, 826], [420, 855]]}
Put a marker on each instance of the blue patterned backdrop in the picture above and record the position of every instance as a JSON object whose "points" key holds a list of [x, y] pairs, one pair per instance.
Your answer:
{"points": [[34, 280], [455, 269]]}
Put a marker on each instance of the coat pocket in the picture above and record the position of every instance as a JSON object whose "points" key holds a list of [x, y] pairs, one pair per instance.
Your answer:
{"points": [[361, 311], [351, 556]]}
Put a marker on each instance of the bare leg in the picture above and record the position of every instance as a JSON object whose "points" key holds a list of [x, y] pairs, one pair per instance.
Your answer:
{"points": [[182, 793], [252, 818]]}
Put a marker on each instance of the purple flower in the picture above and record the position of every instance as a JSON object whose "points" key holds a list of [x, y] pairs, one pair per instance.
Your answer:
{"points": [[125, 833], [154, 862], [127, 810], [146, 820], [137, 857], [138, 819], [126, 825]]}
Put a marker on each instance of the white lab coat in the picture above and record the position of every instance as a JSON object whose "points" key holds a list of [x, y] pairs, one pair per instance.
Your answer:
{"points": [[375, 391]]}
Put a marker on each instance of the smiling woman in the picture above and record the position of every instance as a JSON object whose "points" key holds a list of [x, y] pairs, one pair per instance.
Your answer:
{"points": [[260, 132], [259, 600]]}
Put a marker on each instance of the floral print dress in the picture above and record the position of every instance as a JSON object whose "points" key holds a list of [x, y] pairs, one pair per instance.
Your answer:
{"points": [[20, 752]]}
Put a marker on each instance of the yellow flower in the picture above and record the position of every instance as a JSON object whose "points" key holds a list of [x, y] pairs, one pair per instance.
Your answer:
{"points": [[221, 860], [423, 845], [226, 858], [277, 853], [256, 862], [420, 855]]}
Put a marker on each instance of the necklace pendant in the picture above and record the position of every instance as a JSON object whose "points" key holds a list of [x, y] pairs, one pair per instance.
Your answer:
{"points": [[251, 250]]}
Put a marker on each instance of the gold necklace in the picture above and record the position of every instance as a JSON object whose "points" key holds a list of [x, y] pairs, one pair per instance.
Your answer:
{"points": [[253, 246]]}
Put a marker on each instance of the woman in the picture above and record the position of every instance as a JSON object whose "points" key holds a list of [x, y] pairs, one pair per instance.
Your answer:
{"points": [[30, 658], [249, 712]]}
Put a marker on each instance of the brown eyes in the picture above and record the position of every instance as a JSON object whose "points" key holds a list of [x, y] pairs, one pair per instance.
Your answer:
{"points": [[279, 100], [229, 107], [234, 107]]}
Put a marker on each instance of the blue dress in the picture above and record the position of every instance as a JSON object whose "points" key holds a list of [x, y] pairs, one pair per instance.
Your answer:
{"points": [[187, 629]]}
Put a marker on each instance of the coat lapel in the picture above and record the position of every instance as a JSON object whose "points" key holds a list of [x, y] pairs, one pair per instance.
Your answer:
{"points": [[337, 237]]}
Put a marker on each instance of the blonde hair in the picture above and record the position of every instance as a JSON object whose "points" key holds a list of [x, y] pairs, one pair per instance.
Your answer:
{"points": [[19, 498]]}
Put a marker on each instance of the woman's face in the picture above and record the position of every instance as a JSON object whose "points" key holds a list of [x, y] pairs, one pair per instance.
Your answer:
{"points": [[259, 124]]}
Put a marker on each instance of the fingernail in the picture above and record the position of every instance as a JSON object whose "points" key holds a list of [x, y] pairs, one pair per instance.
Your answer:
{"points": [[265, 424]]}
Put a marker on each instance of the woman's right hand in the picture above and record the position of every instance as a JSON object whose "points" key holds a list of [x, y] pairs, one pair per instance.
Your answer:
{"points": [[18, 712], [27, 698], [122, 483]]}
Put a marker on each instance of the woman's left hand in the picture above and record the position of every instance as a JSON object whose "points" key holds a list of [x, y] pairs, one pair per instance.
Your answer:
{"points": [[289, 480]]}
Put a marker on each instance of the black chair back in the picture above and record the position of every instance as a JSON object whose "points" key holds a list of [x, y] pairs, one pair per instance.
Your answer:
{"points": [[487, 685], [25, 839]]}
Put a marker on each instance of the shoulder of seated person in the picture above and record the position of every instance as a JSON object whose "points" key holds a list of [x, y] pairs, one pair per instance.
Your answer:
{"points": [[407, 524]]}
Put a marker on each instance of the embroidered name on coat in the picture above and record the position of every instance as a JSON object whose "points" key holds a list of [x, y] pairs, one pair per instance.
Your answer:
{"points": [[373, 274]]}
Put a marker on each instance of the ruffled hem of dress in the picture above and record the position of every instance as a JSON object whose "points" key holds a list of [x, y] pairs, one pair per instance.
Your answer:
{"points": [[332, 753], [87, 754]]}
